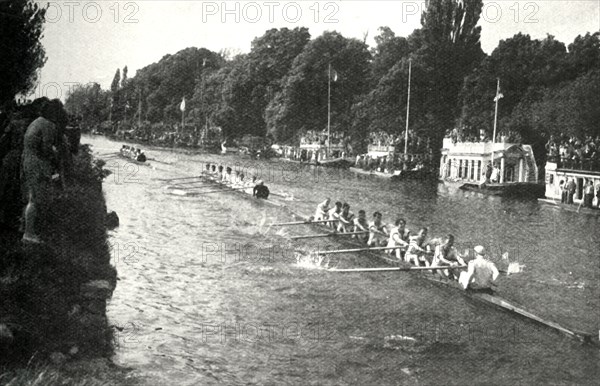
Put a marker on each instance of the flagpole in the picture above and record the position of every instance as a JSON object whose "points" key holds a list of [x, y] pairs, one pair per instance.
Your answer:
{"points": [[407, 107], [329, 111], [495, 119]]}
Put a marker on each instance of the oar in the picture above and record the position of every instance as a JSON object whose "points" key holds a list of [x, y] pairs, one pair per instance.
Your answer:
{"points": [[186, 183], [356, 250], [188, 187], [327, 235], [162, 162], [401, 269], [286, 196], [178, 178], [215, 191], [301, 222]]}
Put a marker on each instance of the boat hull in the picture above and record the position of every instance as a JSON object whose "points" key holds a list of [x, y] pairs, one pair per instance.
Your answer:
{"points": [[512, 189], [570, 207], [399, 175]]}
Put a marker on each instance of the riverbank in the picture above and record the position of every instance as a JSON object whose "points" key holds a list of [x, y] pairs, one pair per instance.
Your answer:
{"points": [[53, 311]]}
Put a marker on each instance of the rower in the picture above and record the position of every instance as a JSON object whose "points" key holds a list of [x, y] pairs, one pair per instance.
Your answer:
{"points": [[378, 234], [446, 255], [416, 252], [345, 224], [334, 214], [140, 157], [481, 273], [361, 225], [207, 170], [220, 173], [399, 237], [260, 190], [322, 210]]}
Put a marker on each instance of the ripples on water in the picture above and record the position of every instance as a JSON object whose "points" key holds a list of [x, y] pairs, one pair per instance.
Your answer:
{"points": [[165, 281]]}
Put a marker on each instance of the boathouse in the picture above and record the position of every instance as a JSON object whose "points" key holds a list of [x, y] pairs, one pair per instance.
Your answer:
{"points": [[467, 161]]}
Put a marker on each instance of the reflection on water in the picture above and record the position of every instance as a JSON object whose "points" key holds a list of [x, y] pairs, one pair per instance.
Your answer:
{"points": [[170, 250]]}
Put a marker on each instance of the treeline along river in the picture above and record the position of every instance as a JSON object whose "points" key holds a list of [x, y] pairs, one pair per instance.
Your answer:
{"points": [[186, 313]]}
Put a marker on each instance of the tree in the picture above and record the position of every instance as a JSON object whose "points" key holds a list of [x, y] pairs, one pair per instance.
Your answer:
{"points": [[21, 28], [89, 103], [525, 67], [115, 105], [255, 79], [390, 50], [449, 50], [584, 54], [302, 103]]}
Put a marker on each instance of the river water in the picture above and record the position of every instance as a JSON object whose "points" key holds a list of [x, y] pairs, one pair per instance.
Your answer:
{"points": [[185, 313]]}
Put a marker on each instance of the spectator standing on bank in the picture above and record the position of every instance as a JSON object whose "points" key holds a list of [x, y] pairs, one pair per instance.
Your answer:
{"points": [[40, 156]]}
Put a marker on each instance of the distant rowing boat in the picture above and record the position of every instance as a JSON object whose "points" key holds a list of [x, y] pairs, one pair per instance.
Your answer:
{"points": [[246, 192]]}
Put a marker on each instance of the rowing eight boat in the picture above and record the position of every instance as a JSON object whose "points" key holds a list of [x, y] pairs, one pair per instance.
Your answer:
{"points": [[482, 297]]}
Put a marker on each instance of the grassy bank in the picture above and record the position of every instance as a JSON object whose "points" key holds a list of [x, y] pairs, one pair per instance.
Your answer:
{"points": [[54, 294]]}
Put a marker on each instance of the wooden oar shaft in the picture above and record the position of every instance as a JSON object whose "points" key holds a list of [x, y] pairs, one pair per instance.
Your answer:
{"points": [[355, 250], [178, 178], [401, 269], [328, 235], [188, 182], [301, 222], [215, 191]]}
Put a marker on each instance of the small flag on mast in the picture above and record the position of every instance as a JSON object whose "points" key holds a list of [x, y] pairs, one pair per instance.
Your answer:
{"points": [[182, 105], [335, 75], [498, 97]]}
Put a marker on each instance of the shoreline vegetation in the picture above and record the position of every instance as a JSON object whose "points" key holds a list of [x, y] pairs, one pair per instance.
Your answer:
{"points": [[53, 321]]}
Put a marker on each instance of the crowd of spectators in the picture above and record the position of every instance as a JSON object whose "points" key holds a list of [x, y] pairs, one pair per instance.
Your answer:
{"points": [[458, 135], [313, 137], [393, 162], [575, 153]]}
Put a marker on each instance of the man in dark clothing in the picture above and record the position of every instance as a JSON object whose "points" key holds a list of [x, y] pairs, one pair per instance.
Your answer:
{"points": [[571, 187], [260, 190]]}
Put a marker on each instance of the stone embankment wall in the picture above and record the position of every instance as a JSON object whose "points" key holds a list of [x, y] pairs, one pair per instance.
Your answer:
{"points": [[53, 295]]}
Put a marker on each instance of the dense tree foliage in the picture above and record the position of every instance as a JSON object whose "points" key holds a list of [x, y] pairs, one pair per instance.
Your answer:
{"points": [[21, 27], [449, 50], [89, 103], [547, 90], [303, 102]]}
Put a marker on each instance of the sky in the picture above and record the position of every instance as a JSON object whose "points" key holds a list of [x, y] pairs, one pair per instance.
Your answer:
{"points": [[86, 41]]}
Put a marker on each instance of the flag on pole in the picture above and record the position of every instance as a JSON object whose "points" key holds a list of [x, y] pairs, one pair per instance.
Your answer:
{"points": [[203, 62], [335, 75], [498, 97], [182, 105]]}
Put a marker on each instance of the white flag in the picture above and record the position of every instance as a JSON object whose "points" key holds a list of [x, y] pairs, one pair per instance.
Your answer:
{"points": [[335, 75], [498, 97], [182, 105]]}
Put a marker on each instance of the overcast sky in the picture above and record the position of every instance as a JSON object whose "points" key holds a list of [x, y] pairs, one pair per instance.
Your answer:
{"points": [[87, 41]]}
